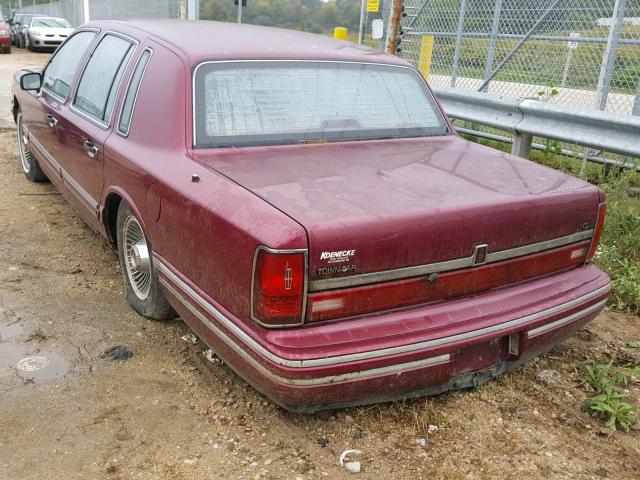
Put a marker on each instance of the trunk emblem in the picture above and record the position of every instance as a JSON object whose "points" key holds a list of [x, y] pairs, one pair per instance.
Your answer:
{"points": [[480, 254]]}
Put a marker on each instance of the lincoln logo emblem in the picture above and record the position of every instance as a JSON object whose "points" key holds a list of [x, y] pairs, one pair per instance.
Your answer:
{"points": [[480, 254], [288, 277]]}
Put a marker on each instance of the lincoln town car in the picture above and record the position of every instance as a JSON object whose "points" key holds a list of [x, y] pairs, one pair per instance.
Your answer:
{"points": [[307, 208]]}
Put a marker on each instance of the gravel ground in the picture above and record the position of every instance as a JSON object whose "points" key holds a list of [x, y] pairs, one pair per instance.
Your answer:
{"points": [[168, 413]]}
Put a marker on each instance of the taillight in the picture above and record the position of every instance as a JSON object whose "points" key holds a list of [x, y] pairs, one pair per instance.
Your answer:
{"points": [[279, 287], [595, 240], [401, 293]]}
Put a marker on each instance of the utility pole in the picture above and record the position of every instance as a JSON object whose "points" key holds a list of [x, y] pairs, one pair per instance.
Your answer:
{"points": [[240, 11], [393, 30]]}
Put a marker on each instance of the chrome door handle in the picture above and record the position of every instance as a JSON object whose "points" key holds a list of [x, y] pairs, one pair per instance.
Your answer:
{"points": [[91, 148], [51, 120]]}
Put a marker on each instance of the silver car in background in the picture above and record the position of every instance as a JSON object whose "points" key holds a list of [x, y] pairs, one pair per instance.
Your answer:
{"points": [[46, 33]]}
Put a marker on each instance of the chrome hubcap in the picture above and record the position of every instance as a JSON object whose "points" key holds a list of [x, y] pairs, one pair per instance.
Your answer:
{"points": [[136, 256], [23, 140]]}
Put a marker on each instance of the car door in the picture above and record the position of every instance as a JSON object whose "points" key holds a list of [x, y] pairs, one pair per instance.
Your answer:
{"points": [[41, 111], [85, 124]]}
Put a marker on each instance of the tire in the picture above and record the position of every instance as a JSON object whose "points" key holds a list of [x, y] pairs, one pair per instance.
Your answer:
{"points": [[20, 42], [30, 166], [28, 43], [141, 283]]}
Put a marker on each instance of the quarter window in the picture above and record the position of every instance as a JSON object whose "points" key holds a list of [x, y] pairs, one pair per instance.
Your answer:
{"points": [[132, 92], [61, 69], [100, 80]]}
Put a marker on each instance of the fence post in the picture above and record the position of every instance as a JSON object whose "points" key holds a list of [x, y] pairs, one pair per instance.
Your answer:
{"points": [[492, 44], [521, 145], [636, 103], [193, 9], [610, 54], [385, 15], [363, 17], [85, 11], [456, 55]]}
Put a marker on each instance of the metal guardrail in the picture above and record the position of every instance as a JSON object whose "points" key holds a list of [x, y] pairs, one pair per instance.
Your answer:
{"points": [[528, 118]]}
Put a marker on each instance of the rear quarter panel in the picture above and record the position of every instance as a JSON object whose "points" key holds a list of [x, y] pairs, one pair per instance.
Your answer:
{"points": [[207, 230]]}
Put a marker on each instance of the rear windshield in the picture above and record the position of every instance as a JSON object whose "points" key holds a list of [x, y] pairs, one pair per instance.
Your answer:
{"points": [[275, 103]]}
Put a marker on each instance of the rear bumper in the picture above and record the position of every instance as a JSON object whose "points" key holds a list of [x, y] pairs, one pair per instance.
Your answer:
{"points": [[413, 352]]}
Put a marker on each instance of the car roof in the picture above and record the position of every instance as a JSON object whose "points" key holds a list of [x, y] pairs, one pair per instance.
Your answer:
{"points": [[208, 40]]}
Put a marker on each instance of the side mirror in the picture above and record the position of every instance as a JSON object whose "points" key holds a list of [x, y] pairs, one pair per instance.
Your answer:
{"points": [[31, 81]]}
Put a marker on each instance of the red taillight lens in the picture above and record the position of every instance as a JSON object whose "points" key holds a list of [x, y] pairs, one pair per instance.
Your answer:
{"points": [[602, 213], [413, 291], [278, 287]]}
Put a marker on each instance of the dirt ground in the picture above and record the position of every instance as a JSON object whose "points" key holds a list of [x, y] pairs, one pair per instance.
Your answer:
{"points": [[168, 413], [19, 58]]}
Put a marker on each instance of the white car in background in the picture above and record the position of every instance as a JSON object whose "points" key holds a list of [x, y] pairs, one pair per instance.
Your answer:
{"points": [[47, 33]]}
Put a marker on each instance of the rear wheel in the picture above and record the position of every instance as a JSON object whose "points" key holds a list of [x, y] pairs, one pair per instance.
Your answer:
{"points": [[141, 283], [30, 166]]}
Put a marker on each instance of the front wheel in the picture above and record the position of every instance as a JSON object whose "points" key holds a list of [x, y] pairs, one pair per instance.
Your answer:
{"points": [[30, 166], [141, 283]]}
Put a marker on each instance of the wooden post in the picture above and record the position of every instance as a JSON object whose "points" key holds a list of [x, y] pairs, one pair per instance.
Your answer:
{"points": [[394, 26]]}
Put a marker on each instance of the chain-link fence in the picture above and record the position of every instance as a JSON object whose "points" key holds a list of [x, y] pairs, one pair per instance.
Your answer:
{"points": [[73, 10], [69, 9], [584, 53]]}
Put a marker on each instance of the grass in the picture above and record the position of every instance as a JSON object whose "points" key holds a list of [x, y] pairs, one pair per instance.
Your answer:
{"points": [[619, 251], [608, 401], [538, 62]]}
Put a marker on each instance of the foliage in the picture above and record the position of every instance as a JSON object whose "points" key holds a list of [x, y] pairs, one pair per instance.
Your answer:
{"points": [[608, 401], [619, 251], [314, 16]]}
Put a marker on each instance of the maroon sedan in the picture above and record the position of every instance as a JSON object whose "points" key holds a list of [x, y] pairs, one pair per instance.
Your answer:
{"points": [[307, 208], [5, 37]]}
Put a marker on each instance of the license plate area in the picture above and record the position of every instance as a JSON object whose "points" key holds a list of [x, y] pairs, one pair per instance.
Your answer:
{"points": [[481, 355]]}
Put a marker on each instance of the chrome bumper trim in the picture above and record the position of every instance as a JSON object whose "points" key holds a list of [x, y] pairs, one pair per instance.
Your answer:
{"points": [[396, 368], [336, 360], [564, 321], [438, 267]]}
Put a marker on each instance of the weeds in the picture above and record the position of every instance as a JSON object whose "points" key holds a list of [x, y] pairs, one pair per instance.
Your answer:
{"points": [[608, 401], [619, 252], [37, 335]]}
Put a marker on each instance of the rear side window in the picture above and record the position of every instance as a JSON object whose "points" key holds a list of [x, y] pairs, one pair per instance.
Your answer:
{"points": [[132, 93], [100, 80], [61, 69]]}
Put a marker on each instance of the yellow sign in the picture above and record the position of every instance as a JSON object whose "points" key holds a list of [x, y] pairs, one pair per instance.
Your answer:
{"points": [[426, 51], [340, 33], [373, 5]]}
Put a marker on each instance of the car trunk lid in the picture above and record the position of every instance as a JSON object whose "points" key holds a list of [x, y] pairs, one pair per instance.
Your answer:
{"points": [[388, 205]]}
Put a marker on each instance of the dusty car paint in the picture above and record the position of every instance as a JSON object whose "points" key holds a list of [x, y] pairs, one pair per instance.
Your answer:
{"points": [[391, 204]]}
